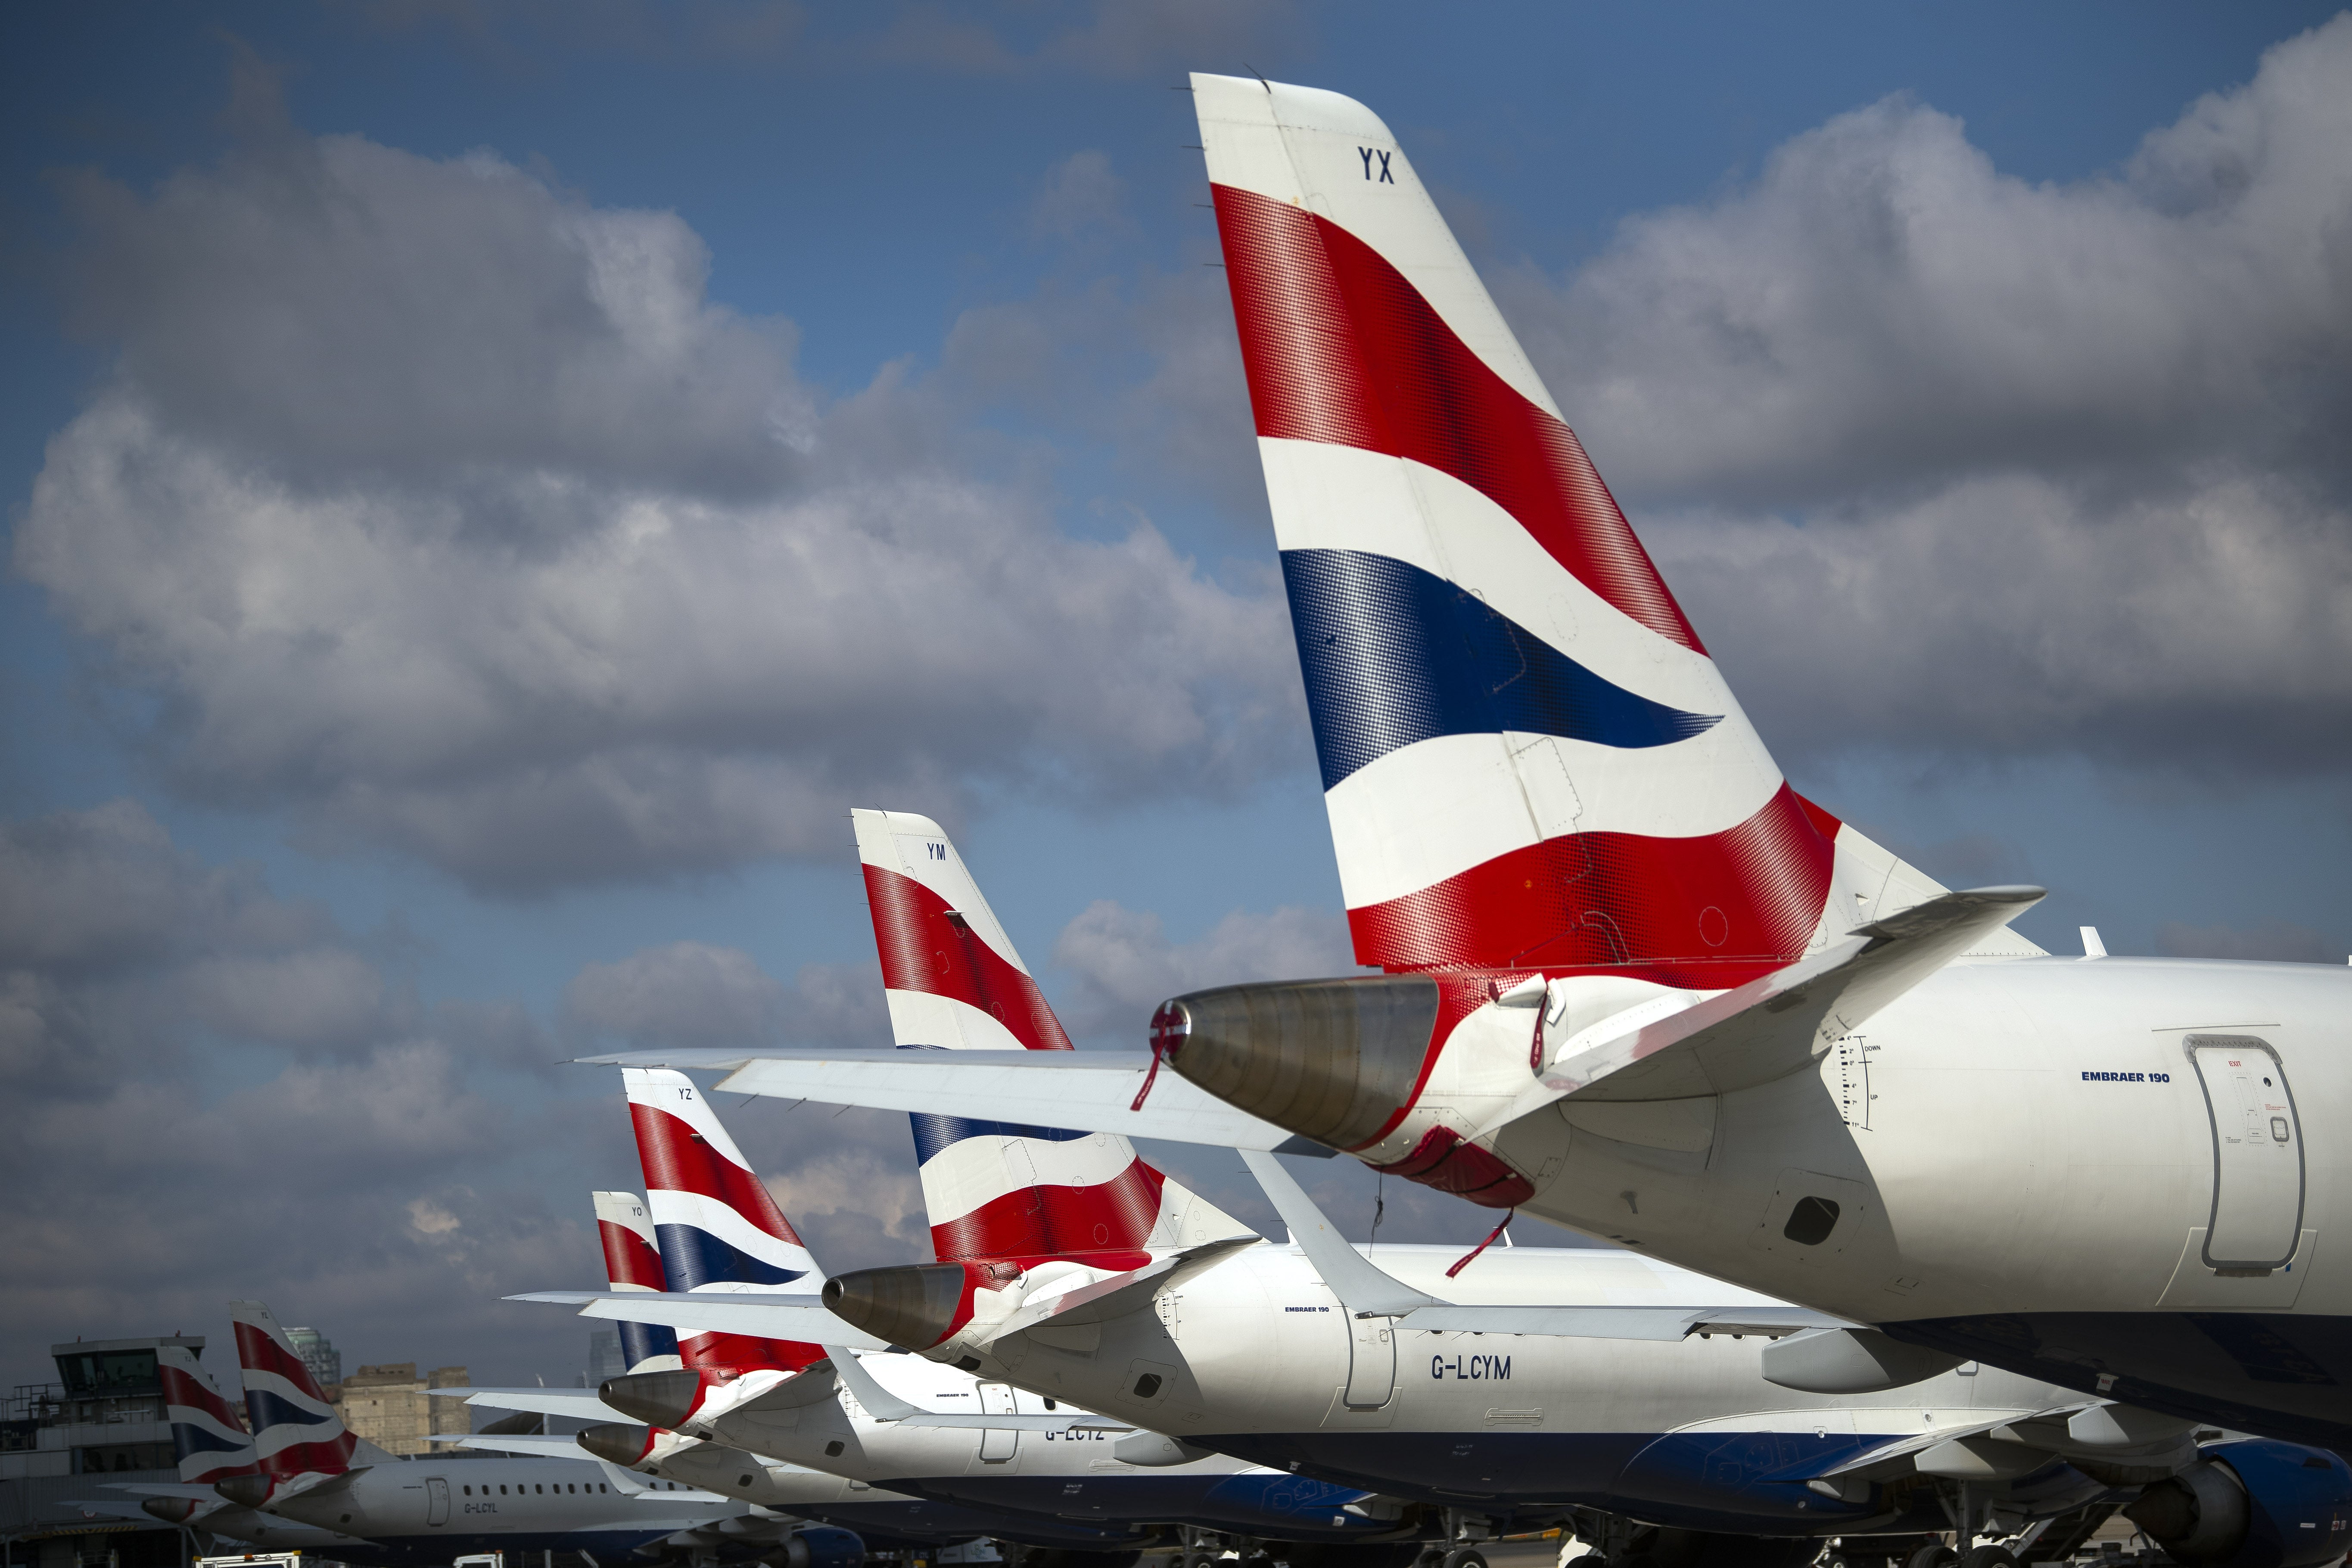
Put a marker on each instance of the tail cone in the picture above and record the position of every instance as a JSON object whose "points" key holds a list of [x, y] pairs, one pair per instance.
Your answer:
{"points": [[914, 1305], [245, 1491], [1333, 1061], [171, 1509], [656, 1399], [619, 1444]]}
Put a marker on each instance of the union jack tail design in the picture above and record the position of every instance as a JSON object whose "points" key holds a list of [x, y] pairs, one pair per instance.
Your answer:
{"points": [[633, 1262], [996, 1191], [207, 1439], [716, 1225], [1529, 761], [295, 1431]]}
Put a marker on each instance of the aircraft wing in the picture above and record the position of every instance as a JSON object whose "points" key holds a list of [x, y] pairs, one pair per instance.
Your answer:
{"points": [[1780, 1023], [1368, 1290], [1089, 1091], [777, 1317], [577, 1403]]}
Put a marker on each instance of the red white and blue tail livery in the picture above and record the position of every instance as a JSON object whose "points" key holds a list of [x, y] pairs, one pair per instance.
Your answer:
{"points": [[715, 1224], [208, 1441], [1529, 761], [296, 1435], [624, 1227], [996, 1191]]}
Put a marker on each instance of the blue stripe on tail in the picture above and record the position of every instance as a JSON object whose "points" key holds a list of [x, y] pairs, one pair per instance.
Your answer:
{"points": [[1393, 655]]}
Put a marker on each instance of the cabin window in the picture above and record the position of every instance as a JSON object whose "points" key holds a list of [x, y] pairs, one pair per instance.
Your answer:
{"points": [[502, 1489], [470, 1491]]}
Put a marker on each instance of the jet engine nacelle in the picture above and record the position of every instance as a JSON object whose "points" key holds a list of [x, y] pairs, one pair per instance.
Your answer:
{"points": [[2251, 1505]]}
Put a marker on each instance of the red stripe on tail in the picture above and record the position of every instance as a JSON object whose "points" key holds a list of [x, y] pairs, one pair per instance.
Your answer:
{"points": [[923, 950], [1039, 1222], [1715, 911], [1340, 348], [678, 1160]]}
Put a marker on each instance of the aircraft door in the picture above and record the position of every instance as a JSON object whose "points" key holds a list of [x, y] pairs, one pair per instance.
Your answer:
{"points": [[1371, 1362], [997, 1444], [2257, 1154], [436, 1500]]}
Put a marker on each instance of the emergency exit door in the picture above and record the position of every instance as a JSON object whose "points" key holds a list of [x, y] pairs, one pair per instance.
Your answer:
{"points": [[1371, 1362], [998, 1444], [2257, 1154], [436, 1500]]}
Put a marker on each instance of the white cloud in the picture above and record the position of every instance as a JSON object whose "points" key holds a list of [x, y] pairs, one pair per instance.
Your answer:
{"points": [[1943, 459], [495, 541]]}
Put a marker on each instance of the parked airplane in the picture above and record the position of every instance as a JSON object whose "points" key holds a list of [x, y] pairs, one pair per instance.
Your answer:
{"points": [[884, 1520], [428, 1510], [1259, 1356], [210, 1445], [1026, 1464], [1637, 984]]}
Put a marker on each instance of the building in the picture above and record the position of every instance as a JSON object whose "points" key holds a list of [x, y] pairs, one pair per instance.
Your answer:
{"points": [[103, 1417], [392, 1407], [318, 1353]]}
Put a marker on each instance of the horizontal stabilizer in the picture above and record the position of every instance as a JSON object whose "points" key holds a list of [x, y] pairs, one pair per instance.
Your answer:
{"points": [[884, 1406], [1092, 1091], [1367, 1290], [193, 1490], [1122, 1293], [577, 1403], [777, 1317], [1782, 1021]]}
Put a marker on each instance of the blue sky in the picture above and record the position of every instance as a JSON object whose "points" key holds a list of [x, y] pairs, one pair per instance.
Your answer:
{"points": [[490, 486]]}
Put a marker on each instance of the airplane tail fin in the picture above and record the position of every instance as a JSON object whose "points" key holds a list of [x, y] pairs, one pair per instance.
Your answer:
{"points": [[996, 1191], [1529, 761], [295, 1430], [716, 1227], [633, 1262], [208, 1442]]}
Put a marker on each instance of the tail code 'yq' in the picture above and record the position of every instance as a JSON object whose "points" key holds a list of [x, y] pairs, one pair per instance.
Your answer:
{"points": [[633, 1262]]}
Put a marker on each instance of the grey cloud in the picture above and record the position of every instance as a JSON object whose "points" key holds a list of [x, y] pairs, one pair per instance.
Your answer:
{"points": [[2208, 630], [1945, 461], [1125, 963], [500, 545], [215, 1093], [696, 994]]}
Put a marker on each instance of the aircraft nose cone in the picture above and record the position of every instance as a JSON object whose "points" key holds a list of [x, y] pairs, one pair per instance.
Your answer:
{"points": [[656, 1399], [1332, 1061], [914, 1305], [170, 1510], [245, 1491], [622, 1445]]}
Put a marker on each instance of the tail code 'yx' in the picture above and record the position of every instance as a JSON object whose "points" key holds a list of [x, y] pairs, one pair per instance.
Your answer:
{"points": [[1529, 761], [995, 1191]]}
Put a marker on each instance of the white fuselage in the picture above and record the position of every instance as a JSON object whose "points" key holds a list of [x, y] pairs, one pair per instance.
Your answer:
{"points": [[2024, 1156], [429, 1508], [1258, 1357]]}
